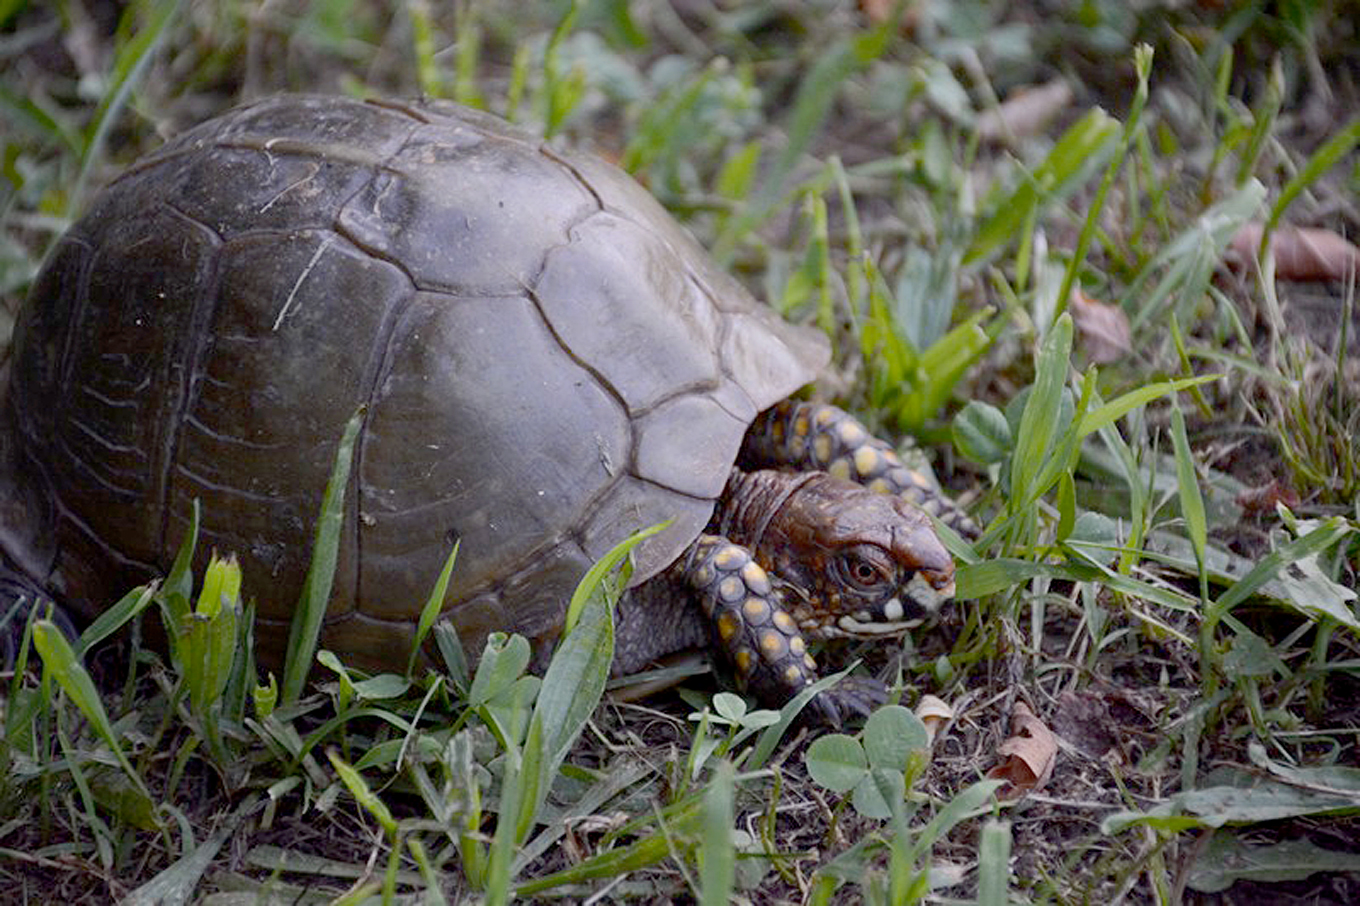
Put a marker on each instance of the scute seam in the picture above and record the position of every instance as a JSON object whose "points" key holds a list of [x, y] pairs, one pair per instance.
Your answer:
{"points": [[400, 108], [190, 361], [65, 365], [546, 150]]}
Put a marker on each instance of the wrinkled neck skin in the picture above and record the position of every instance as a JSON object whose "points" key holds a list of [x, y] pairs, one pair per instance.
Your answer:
{"points": [[757, 509], [798, 524]]}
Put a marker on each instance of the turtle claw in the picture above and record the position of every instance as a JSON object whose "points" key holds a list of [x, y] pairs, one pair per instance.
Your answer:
{"points": [[824, 710], [853, 697]]}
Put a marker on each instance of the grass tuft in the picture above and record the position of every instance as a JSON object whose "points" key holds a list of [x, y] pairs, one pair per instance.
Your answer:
{"points": [[1167, 570]]}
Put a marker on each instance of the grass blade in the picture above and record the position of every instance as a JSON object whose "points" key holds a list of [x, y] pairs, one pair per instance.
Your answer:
{"points": [[1080, 149], [134, 56], [816, 94], [1322, 160], [60, 660], [316, 591], [576, 677], [1192, 502], [994, 855], [1191, 258], [1142, 61], [116, 617], [1039, 423], [177, 591], [1117, 408], [363, 793], [590, 584], [717, 855], [618, 860], [430, 612], [1319, 539]]}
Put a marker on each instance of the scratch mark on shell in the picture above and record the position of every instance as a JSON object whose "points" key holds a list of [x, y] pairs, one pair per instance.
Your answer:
{"points": [[297, 284]]}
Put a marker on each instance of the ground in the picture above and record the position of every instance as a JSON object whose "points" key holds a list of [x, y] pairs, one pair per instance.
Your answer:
{"points": [[1173, 601]]}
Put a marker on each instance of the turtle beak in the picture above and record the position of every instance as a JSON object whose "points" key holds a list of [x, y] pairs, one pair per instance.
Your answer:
{"points": [[931, 588]]}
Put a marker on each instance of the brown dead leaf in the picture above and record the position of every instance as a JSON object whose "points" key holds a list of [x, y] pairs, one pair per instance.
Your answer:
{"points": [[877, 12], [1263, 499], [1026, 112], [1301, 253], [1028, 755], [1103, 328], [581, 831]]}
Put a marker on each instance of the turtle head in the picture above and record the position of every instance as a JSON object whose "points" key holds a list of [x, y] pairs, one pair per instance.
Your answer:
{"points": [[850, 562]]}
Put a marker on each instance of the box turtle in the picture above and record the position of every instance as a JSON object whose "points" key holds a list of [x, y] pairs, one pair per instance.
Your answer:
{"points": [[548, 361]]}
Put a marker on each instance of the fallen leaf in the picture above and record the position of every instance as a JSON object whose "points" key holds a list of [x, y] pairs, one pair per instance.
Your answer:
{"points": [[1263, 499], [1300, 253], [1026, 112], [944, 875], [934, 713], [877, 12], [580, 831], [1028, 755], [1104, 328]]}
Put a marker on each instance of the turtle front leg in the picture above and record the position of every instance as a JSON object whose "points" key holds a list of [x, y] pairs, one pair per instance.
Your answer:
{"points": [[802, 435], [760, 639]]}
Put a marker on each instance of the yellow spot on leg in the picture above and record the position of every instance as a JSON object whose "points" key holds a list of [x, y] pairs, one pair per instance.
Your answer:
{"points": [[754, 574], [772, 645], [728, 627], [756, 610], [731, 589], [851, 433], [745, 659], [867, 461], [730, 557]]}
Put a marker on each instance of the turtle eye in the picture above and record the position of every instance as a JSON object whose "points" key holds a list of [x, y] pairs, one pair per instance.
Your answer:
{"points": [[861, 572]]}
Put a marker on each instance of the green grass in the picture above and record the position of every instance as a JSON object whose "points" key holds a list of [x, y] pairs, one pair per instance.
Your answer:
{"points": [[1199, 652]]}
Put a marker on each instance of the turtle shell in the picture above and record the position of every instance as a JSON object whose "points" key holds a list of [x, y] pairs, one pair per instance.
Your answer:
{"points": [[547, 360]]}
